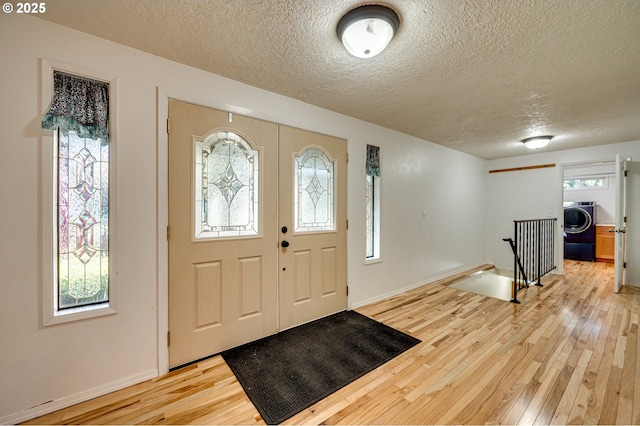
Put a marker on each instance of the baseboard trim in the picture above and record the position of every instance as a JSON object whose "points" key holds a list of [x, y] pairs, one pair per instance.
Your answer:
{"points": [[430, 280], [68, 401]]}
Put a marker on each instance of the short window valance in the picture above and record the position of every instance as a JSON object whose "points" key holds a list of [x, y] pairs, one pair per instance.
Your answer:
{"points": [[373, 161], [80, 105]]}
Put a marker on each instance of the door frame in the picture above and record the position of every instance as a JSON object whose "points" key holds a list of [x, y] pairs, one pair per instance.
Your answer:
{"points": [[163, 95], [620, 213], [561, 183]]}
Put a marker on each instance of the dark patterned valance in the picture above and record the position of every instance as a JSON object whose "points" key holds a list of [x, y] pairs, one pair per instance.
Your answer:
{"points": [[79, 105], [373, 160]]}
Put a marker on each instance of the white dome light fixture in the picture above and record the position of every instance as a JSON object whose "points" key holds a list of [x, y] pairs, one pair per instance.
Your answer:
{"points": [[537, 142], [367, 30]]}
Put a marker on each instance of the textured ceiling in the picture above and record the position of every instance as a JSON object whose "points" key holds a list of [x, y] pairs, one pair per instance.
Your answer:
{"points": [[473, 75]]}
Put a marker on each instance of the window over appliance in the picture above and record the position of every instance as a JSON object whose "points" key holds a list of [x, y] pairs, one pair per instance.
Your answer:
{"points": [[597, 182]]}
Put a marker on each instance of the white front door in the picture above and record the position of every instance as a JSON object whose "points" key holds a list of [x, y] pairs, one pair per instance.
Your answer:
{"points": [[619, 226], [632, 224], [231, 280]]}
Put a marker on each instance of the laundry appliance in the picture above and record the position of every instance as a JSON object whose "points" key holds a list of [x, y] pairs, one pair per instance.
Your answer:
{"points": [[580, 231]]}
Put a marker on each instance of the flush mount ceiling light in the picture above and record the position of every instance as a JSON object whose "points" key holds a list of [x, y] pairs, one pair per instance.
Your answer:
{"points": [[367, 30], [537, 142]]}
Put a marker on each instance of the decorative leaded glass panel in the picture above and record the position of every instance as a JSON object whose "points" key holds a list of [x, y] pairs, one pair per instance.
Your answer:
{"points": [[314, 203], [226, 187], [83, 221], [369, 216]]}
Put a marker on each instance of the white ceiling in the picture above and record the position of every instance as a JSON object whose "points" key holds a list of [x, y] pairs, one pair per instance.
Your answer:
{"points": [[474, 75]]}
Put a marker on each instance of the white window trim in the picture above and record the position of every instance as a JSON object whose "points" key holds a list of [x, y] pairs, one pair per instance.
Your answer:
{"points": [[50, 313]]}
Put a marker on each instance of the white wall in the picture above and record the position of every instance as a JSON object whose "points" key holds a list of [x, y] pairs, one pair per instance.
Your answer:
{"points": [[46, 368], [537, 193], [518, 195], [432, 213]]}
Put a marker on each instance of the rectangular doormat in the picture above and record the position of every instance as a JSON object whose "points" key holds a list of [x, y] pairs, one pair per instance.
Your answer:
{"points": [[285, 373]]}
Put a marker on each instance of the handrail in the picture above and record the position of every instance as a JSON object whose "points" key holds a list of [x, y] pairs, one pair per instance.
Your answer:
{"points": [[533, 249], [517, 262]]}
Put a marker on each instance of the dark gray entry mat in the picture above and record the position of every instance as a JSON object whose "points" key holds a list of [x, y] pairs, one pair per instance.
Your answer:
{"points": [[285, 373]]}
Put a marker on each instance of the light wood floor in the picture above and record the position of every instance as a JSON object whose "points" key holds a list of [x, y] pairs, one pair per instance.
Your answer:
{"points": [[569, 354]]}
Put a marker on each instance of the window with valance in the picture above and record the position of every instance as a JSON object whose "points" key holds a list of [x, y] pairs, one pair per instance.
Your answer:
{"points": [[79, 117]]}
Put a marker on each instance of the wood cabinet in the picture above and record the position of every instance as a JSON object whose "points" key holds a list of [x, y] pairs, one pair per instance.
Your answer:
{"points": [[605, 243]]}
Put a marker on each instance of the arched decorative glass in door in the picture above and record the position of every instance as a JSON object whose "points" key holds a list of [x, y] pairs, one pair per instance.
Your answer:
{"points": [[226, 173], [314, 203]]}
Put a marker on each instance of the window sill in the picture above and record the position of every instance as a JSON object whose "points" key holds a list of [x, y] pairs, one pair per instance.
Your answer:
{"points": [[76, 314]]}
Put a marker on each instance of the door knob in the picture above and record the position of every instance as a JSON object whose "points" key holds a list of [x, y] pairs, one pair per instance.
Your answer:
{"points": [[284, 243]]}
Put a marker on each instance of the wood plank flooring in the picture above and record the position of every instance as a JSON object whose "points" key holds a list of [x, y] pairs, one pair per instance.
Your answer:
{"points": [[569, 354]]}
